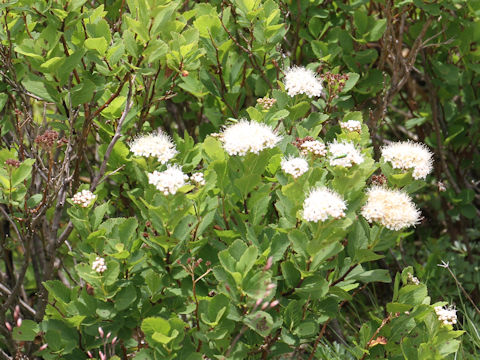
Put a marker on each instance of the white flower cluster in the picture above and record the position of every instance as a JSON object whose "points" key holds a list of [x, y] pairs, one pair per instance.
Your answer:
{"points": [[322, 203], [408, 155], [344, 154], [299, 80], [248, 137], [83, 198], [413, 279], [266, 102], [198, 178], [351, 125], [314, 147], [168, 181], [392, 208], [99, 265], [157, 144], [448, 316], [295, 166]]}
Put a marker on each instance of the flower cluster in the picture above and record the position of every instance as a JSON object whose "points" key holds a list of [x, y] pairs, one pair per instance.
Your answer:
{"points": [[198, 179], [157, 144], [168, 181], [83, 198], [392, 208], [413, 279], [12, 162], [344, 154], [248, 137], [99, 265], [408, 155], [351, 125], [314, 147], [47, 139], [447, 315], [299, 80], [295, 166], [322, 203], [266, 102]]}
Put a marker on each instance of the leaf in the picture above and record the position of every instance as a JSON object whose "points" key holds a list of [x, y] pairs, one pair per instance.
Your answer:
{"points": [[290, 274], [22, 172], [58, 290], [377, 275], [260, 321], [41, 89], [125, 297], [247, 260], [98, 44], [377, 30], [26, 332]]}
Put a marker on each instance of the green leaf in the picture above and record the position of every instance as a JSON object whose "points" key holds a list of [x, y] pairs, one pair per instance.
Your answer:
{"points": [[377, 30], [22, 172], [98, 44], [377, 275], [125, 297], [260, 321], [247, 260], [41, 89], [290, 274], [26, 332], [58, 290]]}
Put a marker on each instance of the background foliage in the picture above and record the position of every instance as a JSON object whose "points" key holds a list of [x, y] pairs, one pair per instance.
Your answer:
{"points": [[100, 74]]}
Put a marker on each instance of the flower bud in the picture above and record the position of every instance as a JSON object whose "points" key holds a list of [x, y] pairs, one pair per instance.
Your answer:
{"points": [[43, 347], [100, 331]]}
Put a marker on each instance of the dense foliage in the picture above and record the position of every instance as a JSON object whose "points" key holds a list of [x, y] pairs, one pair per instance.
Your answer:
{"points": [[280, 216]]}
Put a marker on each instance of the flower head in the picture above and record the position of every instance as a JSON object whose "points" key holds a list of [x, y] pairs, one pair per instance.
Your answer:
{"points": [[299, 80], [157, 144], [447, 315], [322, 203], [248, 136], [83, 198], [314, 147], [351, 125], [408, 155], [198, 178], [295, 166], [168, 181], [344, 154], [393, 209], [99, 265]]}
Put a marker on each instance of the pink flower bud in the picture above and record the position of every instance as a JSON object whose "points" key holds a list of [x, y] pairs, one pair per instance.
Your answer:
{"points": [[274, 303], [267, 293], [265, 305], [258, 302], [271, 286], [8, 326], [102, 356], [100, 331], [16, 313], [43, 347], [90, 356], [109, 334], [19, 322], [114, 340], [269, 263]]}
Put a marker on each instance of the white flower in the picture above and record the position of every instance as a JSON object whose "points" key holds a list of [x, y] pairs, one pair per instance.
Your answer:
{"points": [[344, 154], [314, 147], [447, 315], [248, 136], [322, 203], [83, 198], [99, 265], [157, 144], [408, 155], [168, 181], [295, 166], [198, 178], [351, 125], [299, 80], [393, 209], [413, 279]]}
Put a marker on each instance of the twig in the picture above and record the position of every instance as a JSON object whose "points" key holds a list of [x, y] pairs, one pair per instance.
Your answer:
{"points": [[118, 134], [8, 292]]}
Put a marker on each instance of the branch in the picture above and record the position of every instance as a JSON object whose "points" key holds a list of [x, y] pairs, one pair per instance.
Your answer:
{"points": [[118, 134]]}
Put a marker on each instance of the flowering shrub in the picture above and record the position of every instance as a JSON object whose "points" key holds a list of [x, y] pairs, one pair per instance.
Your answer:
{"points": [[173, 186]]}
